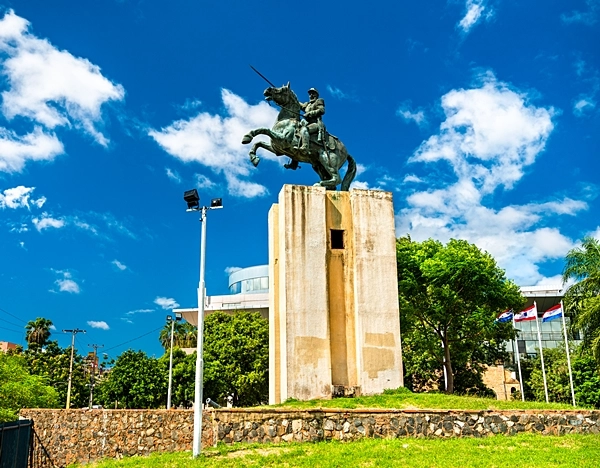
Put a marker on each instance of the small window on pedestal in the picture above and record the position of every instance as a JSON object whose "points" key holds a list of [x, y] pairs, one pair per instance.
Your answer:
{"points": [[337, 238]]}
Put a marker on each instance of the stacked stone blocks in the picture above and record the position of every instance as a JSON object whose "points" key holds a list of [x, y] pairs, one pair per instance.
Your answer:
{"points": [[79, 436]]}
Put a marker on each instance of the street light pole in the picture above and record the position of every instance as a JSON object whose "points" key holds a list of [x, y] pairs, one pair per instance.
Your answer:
{"points": [[178, 317], [193, 202], [170, 364], [197, 443]]}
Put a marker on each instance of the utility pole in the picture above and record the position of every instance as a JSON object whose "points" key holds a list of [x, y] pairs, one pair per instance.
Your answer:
{"points": [[93, 371], [73, 332]]}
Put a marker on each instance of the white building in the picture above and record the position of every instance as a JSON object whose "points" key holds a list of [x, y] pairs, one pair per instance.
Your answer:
{"points": [[249, 288]]}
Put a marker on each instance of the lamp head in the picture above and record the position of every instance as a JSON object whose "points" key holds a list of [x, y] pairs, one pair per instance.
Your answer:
{"points": [[216, 203], [192, 199]]}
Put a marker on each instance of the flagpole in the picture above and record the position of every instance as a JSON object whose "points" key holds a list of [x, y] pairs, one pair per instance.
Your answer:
{"points": [[541, 351], [519, 364], [568, 353]]}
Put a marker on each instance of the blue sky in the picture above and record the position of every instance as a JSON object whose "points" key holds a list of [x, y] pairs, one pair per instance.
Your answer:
{"points": [[481, 116]]}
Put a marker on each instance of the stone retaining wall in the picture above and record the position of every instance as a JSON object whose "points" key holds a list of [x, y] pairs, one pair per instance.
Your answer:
{"points": [[63, 437], [241, 425]]}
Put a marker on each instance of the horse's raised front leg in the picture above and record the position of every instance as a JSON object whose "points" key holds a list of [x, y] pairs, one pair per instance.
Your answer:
{"points": [[257, 131], [254, 159]]}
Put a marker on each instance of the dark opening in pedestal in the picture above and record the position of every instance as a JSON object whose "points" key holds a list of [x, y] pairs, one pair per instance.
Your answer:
{"points": [[337, 238]]}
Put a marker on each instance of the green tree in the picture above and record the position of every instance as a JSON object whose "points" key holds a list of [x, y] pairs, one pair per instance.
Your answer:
{"points": [[236, 357], [19, 389], [135, 381], [38, 333], [236, 360], [449, 298], [184, 336], [184, 377], [586, 377], [53, 365], [582, 300]]}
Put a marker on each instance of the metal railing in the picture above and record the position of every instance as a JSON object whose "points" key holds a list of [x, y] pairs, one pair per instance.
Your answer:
{"points": [[16, 443]]}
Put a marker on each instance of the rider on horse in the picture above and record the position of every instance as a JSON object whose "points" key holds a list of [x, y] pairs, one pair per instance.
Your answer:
{"points": [[314, 109], [312, 123]]}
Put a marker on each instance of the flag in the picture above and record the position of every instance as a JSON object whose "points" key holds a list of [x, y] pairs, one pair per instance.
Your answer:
{"points": [[505, 316], [553, 313], [528, 314]]}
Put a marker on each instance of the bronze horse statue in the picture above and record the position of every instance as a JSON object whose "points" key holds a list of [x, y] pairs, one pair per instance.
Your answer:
{"points": [[326, 157]]}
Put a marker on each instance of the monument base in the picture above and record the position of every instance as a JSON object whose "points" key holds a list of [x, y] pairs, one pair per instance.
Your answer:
{"points": [[334, 324]]}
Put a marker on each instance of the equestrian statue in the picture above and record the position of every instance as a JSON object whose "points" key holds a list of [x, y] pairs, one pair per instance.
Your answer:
{"points": [[303, 138]]}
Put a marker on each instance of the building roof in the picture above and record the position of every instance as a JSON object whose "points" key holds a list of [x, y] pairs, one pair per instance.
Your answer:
{"points": [[544, 296]]}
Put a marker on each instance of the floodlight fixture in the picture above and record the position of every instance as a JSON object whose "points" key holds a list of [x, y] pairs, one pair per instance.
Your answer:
{"points": [[178, 316], [192, 199], [169, 318], [216, 203]]}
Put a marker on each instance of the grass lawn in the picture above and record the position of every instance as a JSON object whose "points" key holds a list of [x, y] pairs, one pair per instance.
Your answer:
{"points": [[523, 451], [405, 399]]}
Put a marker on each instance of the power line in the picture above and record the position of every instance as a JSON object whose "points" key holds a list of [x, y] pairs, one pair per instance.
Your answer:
{"points": [[10, 323], [13, 316], [11, 330], [133, 339]]}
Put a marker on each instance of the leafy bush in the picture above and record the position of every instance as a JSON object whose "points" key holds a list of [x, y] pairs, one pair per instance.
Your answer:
{"points": [[19, 389]]}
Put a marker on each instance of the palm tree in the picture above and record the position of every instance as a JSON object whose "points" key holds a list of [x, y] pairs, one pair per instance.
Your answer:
{"points": [[184, 336], [582, 300], [38, 332]]}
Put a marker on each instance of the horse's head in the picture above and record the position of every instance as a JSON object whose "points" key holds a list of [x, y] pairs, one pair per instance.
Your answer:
{"points": [[283, 96]]}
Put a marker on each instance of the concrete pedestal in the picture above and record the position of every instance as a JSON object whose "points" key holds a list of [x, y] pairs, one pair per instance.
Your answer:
{"points": [[333, 314]]}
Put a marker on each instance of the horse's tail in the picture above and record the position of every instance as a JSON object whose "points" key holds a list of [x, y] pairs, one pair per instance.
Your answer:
{"points": [[350, 174]]}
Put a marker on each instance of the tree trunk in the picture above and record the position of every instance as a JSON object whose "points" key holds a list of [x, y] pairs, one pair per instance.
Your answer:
{"points": [[448, 367]]}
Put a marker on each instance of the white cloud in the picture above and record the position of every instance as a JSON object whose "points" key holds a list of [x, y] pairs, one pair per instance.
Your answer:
{"points": [[18, 227], [66, 283], [417, 116], [119, 265], [231, 269], [359, 184], [588, 17], [339, 94], [474, 13], [361, 169], [50, 88], [173, 175], [204, 182], [46, 221], [16, 150], [490, 135], [214, 141], [84, 225], [166, 302], [102, 325], [412, 178], [583, 105], [139, 311], [19, 197]]}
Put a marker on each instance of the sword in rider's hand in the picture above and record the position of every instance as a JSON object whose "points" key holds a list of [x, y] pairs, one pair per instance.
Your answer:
{"points": [[262, 76]]}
